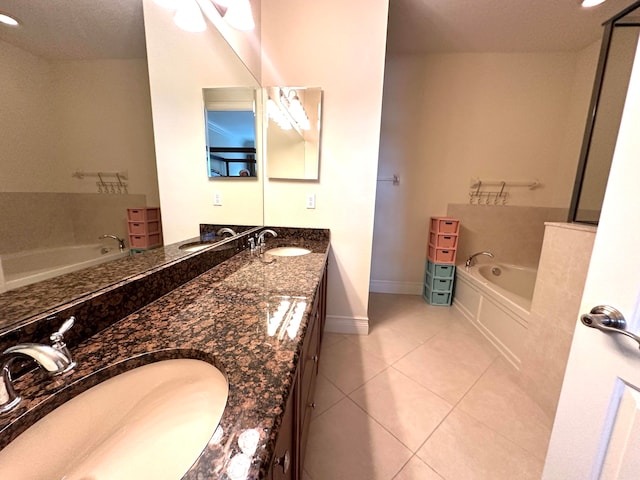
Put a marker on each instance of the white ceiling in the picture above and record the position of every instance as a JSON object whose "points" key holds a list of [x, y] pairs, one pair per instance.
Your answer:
{"points": [[76, 29], [89, 29], [430, 26]]}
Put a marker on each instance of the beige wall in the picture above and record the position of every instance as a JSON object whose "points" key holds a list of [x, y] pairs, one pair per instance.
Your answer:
{"points": [[246, 43], [349, 68], [106, 104], [56, 219], [181, 64], [24, 89], [513, 234], [564, 262], [448, 118], [63, 116]]}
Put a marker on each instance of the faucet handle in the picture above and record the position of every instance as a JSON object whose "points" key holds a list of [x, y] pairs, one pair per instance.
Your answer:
{"points": [[58, 337]]}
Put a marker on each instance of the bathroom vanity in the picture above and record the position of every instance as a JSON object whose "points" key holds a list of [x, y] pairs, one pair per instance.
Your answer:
{"points": [[258, 319]]}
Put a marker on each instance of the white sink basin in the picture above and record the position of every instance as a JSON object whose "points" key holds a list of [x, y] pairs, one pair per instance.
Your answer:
{"points": [[194, 246], [288, 251], [150, 422]]}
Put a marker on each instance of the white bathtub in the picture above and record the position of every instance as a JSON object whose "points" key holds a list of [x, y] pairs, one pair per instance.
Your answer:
{"points": [[23, 268], [496, 299]]}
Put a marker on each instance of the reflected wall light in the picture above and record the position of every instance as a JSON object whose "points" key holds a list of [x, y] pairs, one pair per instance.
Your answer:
{"points": [[276, 114], [187, 14], [591, 3], [189, 17], [9, 20], [237, 13], [294, 108]]}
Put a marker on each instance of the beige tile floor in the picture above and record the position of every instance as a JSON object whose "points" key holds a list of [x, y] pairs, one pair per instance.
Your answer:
{"points": [[423, 397]]}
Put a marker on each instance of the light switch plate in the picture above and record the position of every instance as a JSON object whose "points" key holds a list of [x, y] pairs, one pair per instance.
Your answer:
{"points": [[217, 198]]}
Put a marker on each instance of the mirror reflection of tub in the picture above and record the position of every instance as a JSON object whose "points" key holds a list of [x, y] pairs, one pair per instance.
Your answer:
{"points": [[496, 298], [31, 266]]}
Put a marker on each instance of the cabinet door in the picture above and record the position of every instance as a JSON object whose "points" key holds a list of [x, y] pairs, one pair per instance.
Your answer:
{"points": [[307, 384], [283, 465]]}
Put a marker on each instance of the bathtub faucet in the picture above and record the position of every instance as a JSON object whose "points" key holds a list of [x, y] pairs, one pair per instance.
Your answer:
{"points": [[472, 259], [116, 238], [224, 230]]}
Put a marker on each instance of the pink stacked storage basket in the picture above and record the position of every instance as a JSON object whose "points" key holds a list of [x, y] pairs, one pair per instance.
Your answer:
{"points": [[145, 228], [441, 258]]}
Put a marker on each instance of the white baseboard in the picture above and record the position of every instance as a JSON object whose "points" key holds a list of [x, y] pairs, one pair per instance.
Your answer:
{"points": [[402, 288], [350, 325]]}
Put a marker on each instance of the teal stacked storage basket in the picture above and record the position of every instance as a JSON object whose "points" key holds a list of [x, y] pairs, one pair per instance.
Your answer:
{"points": [[440, 269]]}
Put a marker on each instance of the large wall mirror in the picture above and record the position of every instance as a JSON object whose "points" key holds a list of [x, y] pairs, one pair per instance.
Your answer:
{"points": [[293, 127], [76, 102], [620, 42]]}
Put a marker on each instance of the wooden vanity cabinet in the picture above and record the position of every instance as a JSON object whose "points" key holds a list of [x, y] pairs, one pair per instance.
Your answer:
{"points": [[284, 464], [295, 427]]}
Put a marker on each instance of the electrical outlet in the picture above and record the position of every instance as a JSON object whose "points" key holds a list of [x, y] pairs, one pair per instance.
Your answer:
{"points": [[217, 198], [311, 200]]}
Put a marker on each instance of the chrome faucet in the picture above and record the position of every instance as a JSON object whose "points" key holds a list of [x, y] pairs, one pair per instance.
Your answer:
{"points": [[224, 230], [55, 359], [261, 242], [472, 259], [116, 238]]}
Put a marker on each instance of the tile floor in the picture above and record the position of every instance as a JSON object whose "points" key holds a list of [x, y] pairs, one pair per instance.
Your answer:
{"points": [[423, 397]]}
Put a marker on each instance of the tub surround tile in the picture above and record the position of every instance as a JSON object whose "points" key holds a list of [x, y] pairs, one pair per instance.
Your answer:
{"points": [[513, 233], [562, 273], [219, 316]]}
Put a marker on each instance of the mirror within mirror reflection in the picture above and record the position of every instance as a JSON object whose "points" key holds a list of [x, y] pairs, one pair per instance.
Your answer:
{"points": [[231, 132], [293, 124]]}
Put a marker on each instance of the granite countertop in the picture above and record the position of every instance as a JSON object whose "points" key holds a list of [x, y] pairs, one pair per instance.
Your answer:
{"points": [[222, 317], [35, 299]]}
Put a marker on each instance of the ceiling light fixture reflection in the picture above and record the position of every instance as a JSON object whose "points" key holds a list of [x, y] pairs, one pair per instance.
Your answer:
{"points": [[9, 20], [168, 4], [592, 3], [236, 13], [276, 114], [293, 106], [189, 17]]}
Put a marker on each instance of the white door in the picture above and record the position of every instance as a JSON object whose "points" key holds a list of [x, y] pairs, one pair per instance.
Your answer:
{"points": [[596, 433]]}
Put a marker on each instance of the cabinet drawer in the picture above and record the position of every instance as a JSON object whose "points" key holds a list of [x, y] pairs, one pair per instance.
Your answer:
{"points": [[443, 241], [441, 255], [145, 241], [309, 362], [437, 284], [436, 298], [445, 225], [145, 214], [441, 271], [144, 228]]}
